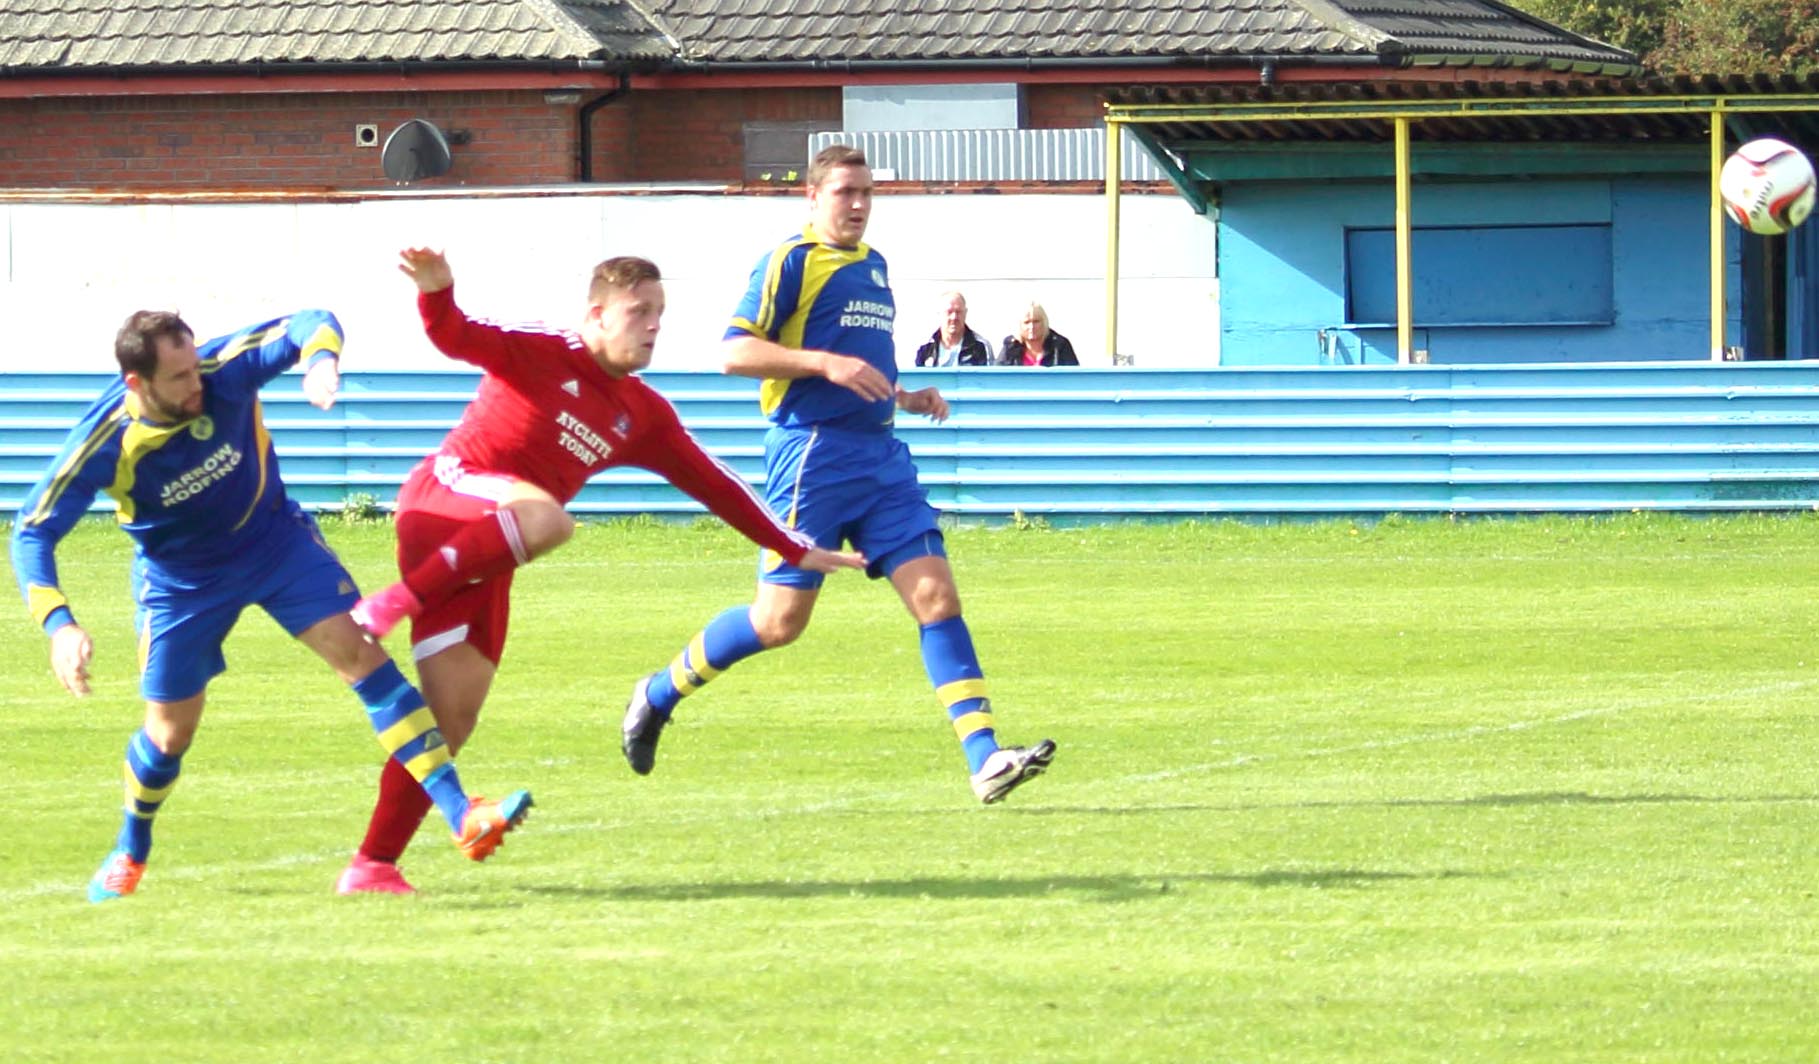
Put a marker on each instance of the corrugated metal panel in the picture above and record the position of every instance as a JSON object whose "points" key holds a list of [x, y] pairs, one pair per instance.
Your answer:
{"points": [[992, 154], [1094, 444]]}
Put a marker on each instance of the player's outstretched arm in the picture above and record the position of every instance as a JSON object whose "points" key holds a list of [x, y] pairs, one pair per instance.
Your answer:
{"points": [[89, 460], [71, 650], [322, 383], [925, 401], [754, 356], [428, 267], [829, 561]]}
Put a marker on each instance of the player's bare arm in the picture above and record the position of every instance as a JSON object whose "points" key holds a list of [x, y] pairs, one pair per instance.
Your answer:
{"points": [[426, 266], [71, 650], [828, 561], [754, 356], [322, 383], [925, 401]]}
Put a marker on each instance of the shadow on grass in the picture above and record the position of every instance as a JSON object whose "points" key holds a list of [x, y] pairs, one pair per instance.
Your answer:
{"points": [[1109, 888]]}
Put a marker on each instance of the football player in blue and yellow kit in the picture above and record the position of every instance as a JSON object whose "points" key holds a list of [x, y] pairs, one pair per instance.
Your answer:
{"points": [[179, 442], [815, 326]]}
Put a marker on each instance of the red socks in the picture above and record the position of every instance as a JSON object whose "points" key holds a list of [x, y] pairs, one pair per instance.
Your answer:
{"points": [[397, 815], [483, 548]]}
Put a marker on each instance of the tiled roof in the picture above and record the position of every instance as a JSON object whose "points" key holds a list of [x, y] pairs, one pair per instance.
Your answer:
{"points": [[1473, 27], [97, 34], [79, 34], [835, 31], [832, 31], [1523, 112]]}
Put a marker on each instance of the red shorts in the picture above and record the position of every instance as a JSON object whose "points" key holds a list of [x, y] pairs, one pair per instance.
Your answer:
{"points": [[438, 498]]}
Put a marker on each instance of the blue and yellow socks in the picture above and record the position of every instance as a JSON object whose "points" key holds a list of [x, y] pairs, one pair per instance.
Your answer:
{"points": [[727, 639], [407, 729], [947, 654], [953, 667], [150, 775]]}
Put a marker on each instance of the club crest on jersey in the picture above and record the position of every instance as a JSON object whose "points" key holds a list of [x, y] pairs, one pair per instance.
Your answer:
{"points": [[878, 277], [203, 427], [622, 425]]}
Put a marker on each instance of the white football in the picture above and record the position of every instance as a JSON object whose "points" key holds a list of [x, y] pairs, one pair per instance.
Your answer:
{"points": [[1767, 186]]}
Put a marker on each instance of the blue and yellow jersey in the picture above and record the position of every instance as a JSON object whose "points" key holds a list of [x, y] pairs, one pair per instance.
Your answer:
{"points": [[818, 297], [191, 494]]}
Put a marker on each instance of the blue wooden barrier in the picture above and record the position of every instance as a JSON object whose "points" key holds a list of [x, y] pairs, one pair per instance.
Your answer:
{"points": [[1102, 444]]}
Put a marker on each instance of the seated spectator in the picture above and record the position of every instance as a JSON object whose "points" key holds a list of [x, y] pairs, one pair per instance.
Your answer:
{"points": [[1035, 344], [954, 344]]}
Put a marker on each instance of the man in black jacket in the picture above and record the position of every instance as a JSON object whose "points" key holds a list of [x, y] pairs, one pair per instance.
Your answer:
{"points": [[954, 344]]}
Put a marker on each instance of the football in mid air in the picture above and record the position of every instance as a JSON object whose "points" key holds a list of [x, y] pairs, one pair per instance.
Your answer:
{"points": [[1767, 186]]}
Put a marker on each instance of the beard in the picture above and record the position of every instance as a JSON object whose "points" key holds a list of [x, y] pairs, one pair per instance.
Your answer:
{"points": [[166, 411]]}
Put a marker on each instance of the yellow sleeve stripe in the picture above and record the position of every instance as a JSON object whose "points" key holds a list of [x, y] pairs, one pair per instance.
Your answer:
{"points": [[421, 720], [139, 792], [43, 601], [960, 691], [748, 326], [102, 433], [967, 724], [325, 338], [243, 343], [427, 762]]}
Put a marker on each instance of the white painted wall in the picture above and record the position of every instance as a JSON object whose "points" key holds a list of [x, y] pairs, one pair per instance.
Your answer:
{"points": [[73, 271]]}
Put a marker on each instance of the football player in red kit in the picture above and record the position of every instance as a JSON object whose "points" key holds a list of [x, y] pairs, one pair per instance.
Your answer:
{"points": [[555, 407]]}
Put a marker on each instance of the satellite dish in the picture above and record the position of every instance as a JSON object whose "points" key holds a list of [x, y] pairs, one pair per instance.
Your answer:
{"points": [[414, 151]]}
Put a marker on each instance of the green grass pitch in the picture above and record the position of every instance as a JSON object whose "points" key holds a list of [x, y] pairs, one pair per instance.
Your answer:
{"points": [[1524, 790]]}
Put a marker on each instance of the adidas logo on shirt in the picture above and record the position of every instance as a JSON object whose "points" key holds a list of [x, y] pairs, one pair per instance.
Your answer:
{"points": [[572, 387]]}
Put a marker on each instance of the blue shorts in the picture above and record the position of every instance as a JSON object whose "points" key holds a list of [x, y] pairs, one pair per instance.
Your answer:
{"points": [[184, 618], [847, 487]]}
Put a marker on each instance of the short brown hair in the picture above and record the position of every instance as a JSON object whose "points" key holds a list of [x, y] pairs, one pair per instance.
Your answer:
{"points": [[625, 272], [136, 344], [832, 158]]}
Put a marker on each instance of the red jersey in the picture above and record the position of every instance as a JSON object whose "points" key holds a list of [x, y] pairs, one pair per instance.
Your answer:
{"points": [[547, 413]]}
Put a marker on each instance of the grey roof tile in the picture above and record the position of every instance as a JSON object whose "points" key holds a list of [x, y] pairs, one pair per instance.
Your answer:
{"points": [[1009, 29], [76, 34]]}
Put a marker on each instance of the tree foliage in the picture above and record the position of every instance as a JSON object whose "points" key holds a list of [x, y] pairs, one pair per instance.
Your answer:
{"points": [[1698, 36], [1739, 37], [1638, 26]]}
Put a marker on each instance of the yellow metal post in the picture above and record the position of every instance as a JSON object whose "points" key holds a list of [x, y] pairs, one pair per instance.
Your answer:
{"points": [[1717, 238], [1114, 166], [1405, 287]]}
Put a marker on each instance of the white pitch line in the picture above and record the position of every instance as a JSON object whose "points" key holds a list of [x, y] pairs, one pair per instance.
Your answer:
{"points": [[210, 870], [1458, 734]]}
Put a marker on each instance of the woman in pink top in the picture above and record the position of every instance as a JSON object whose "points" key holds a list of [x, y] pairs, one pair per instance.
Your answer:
{"points": [[1035, 344]]}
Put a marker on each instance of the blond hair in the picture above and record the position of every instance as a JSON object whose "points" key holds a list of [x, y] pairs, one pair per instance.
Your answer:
{"points": [[624, 273]]}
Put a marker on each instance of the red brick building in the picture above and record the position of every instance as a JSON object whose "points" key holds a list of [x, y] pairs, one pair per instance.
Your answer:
{"points": [[300, 94]]}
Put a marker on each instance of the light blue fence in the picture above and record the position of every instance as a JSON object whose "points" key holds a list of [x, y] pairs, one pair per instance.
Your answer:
{"points": [[1089, 443]]}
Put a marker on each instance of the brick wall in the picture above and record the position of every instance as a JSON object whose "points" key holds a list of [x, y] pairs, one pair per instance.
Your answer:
{"points": [[307, 141], [1062, 106], [276, 141], [699, 134]]}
